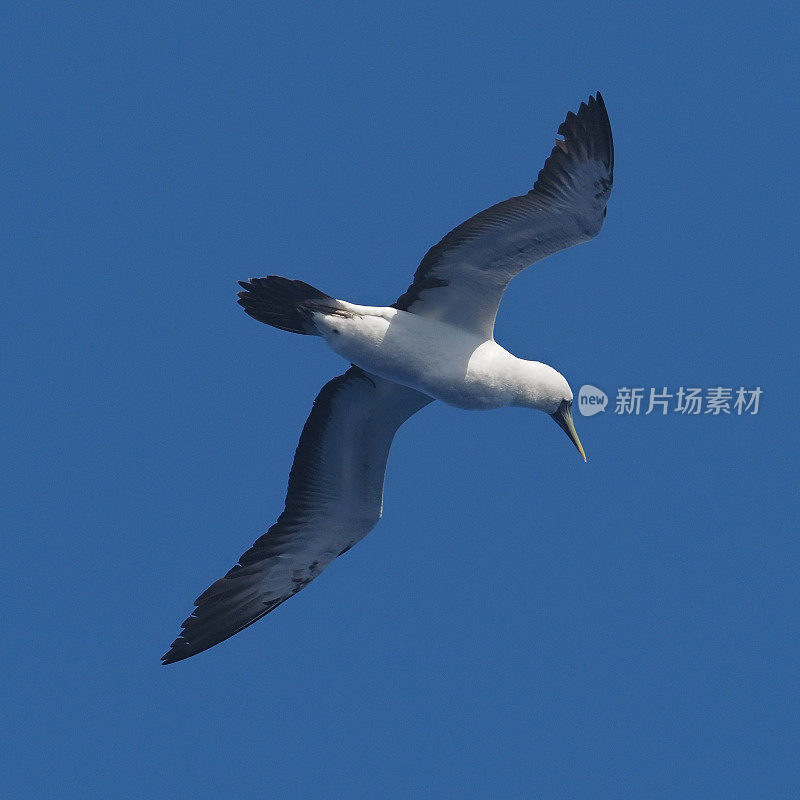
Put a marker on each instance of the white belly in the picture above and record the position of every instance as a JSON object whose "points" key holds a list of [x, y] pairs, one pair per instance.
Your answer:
{"points": [[435, 358]]}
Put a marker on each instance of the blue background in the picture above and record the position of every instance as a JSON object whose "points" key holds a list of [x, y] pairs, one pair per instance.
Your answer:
{"points": [[519, 624]]}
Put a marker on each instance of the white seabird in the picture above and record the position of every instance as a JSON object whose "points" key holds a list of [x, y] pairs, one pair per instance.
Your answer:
{"points": [[435, 342]]}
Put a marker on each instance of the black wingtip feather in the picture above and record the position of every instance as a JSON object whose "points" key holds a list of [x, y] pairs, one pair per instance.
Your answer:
{"points": [[587, 135]]}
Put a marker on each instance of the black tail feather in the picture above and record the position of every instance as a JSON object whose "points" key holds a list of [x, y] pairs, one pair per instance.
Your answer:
{"points": [[279, 302]]}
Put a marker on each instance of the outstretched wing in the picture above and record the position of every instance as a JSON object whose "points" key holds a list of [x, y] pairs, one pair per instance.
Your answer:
{"points": [[462, 278], [334, 499]]}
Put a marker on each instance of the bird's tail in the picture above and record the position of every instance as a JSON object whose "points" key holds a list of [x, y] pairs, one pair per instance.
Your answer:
{"points": [[283, 303]]}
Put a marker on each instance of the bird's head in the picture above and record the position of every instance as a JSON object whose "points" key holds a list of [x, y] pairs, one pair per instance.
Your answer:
{"points": [[547, 390]]}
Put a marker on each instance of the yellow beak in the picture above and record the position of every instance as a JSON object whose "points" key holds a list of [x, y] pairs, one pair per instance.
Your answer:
{"points": [[564, 419]]}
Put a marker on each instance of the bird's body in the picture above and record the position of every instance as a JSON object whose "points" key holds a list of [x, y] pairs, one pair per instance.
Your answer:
{"points": [[441, 360], [436, 342]]}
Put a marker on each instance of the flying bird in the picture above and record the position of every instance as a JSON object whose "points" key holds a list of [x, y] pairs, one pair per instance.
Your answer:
{"points": [[435, 343]]}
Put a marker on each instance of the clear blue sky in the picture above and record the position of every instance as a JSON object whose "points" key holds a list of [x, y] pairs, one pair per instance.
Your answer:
{"points": [[520, 624]]}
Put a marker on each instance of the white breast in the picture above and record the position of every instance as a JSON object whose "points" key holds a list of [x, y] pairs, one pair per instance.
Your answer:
{"points": [[442, 361]]}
